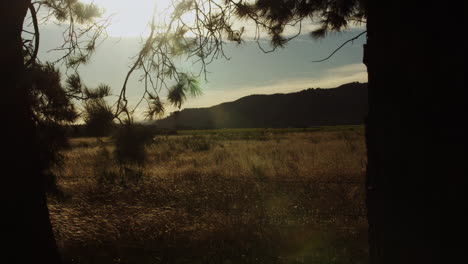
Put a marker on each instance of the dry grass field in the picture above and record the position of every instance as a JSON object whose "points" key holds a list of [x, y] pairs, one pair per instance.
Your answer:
{"points": [[292, 197]]}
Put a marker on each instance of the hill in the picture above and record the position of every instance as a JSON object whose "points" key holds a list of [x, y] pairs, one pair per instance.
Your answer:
{"points": [[344, 105]]}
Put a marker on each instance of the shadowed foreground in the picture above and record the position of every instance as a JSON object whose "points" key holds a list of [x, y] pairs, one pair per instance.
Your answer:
{"points": [[217, 198]]}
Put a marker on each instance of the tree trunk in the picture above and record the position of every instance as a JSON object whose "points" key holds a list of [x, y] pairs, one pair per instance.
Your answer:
{"points": [[25, 220], [414, 127]]}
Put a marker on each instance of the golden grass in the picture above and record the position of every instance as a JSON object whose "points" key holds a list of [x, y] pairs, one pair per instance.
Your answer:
{"points": [[294, 198]]}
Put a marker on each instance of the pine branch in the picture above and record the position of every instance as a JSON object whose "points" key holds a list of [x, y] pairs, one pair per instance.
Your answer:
{"points": [[341, 46], [36, 35]]}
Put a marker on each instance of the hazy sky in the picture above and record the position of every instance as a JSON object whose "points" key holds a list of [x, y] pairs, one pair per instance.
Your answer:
{"points": [[249, 71]]}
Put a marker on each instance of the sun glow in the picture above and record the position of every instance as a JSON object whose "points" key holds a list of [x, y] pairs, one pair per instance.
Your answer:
{"points": [[131, 18]]}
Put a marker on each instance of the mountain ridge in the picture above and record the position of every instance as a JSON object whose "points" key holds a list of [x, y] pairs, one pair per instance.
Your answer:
{"points": [[343, 105]]}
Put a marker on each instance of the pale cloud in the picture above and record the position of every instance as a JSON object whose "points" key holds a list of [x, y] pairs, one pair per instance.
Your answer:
{"points": [[347, 69]]}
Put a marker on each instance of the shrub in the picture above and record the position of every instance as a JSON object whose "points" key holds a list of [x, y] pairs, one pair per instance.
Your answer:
{"points": [[130, 140], [197, 143], [98, 117], [102, 167], [130, 153], [107, 173]]}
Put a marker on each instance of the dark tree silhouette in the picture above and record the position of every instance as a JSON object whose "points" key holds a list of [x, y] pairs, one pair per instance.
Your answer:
{"points": [[25, 219], [414, 129], [415, 123]]}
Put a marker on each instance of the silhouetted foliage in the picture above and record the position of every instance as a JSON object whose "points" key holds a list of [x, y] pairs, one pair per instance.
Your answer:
{"points": [[178, 93], [97, 113], [77, 90], [98, 117], [52, 110], [155, 107], [83, 25], [50, 101], [274, 15]]}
